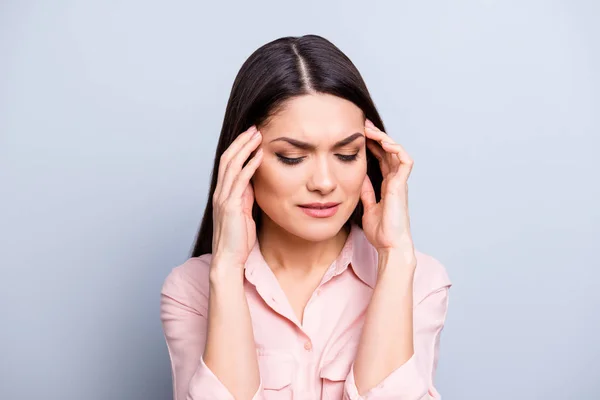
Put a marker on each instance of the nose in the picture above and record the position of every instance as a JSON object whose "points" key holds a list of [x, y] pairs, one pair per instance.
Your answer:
{"points": [[322, 178]]}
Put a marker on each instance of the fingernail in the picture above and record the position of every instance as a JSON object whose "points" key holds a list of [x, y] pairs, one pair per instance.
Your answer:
{"points": [[369, 123], [256, 134]]}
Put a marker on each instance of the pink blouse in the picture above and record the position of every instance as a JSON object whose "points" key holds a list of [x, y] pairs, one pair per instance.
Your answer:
{"points": [[314, 359]]}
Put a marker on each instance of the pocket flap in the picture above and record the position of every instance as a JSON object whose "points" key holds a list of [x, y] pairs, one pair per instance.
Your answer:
{"points": [[338, 368], [275, 371]]}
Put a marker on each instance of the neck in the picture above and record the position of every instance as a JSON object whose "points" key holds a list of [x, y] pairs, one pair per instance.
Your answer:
{"points": [[286, 252]]}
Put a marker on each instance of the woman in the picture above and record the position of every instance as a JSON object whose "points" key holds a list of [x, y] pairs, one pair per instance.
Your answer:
{"points": [[304, 282]]}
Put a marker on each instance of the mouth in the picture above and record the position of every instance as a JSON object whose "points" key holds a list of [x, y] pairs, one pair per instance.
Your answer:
{"points": [[319, 206], [320, 210]]}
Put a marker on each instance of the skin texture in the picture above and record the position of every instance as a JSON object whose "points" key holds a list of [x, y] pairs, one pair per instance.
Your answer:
{"points": [[299, 248], [320, 176]]}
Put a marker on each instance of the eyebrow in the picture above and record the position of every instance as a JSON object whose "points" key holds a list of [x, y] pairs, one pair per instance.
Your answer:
{"points": [[310, 146]]}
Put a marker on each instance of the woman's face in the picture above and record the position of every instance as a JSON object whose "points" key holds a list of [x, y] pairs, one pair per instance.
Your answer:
{"points": [[314, 152]]}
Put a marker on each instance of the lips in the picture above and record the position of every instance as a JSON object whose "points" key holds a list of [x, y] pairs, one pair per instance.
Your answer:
{"points": [[319, 206], [320, 210]]}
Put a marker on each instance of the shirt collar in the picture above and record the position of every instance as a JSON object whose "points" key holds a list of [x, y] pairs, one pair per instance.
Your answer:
{"points": [[360, 255], [357, 252]]}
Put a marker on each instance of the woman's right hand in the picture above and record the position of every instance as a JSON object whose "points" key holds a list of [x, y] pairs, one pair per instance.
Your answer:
{"points": [[234, 229]]}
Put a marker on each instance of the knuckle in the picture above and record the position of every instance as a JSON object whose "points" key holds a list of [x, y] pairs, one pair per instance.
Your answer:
{"points": [[234, 163], [224, 157]]}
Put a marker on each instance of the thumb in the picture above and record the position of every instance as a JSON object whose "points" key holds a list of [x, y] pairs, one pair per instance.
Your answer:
{"points": [[367, 194], [248, 199]]}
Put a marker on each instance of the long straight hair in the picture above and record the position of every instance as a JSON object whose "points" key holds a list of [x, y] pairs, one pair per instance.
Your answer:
{"points": [[276, 72]]}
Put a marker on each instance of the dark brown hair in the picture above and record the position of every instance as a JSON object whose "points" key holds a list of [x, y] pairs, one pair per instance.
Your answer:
{"points": [[276, 72]]}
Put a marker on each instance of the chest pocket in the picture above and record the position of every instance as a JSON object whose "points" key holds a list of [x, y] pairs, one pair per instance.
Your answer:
{"points": [[335, 370], [276, 372]]}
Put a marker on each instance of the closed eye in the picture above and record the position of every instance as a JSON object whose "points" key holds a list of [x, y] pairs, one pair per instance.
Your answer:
{"points": [[297, 160], [347, 157], [288, 160]]}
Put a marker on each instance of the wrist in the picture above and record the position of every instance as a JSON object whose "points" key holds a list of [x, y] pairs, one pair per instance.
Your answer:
{"points": [[404, 258], [224, 273], [396, 262]]}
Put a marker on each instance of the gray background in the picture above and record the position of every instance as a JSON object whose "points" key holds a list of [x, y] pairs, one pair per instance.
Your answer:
{"points": [[109, 117]]}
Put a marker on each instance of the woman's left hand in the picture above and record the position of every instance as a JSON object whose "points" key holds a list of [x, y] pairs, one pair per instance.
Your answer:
{"points": [[386, 224]]}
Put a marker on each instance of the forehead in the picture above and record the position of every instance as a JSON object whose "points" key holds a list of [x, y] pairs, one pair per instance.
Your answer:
{"points": [[316, 116]]}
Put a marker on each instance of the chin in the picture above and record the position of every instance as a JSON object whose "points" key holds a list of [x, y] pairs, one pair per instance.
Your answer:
{"points": [[317, 231]]}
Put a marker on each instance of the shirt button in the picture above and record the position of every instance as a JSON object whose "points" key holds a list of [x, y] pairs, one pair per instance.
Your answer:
{"points": [[318, 292], [308, 346]]}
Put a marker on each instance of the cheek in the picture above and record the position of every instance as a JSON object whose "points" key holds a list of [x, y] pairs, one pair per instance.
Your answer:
{"points": [[275, 181], [353, 175]]}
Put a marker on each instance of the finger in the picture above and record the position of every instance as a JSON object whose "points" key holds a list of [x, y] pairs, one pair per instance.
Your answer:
{"points": [[367, 194], [231, 151], [381, 137], [370, 123], [406, 162], [243, 178], [378, 135], [233, 168], [376, 149], [379, 153], [248, 199]]}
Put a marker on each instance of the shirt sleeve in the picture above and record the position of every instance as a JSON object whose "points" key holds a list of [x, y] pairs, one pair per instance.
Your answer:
{"points": [[183, 313], [414, 379]]}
